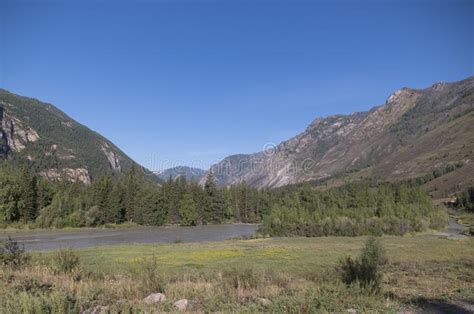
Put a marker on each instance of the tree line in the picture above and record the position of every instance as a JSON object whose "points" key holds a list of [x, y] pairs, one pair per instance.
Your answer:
{"points": [[26, 198], [353, 209]]}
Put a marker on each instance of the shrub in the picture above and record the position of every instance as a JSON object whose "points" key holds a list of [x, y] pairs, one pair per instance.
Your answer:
{"points": [[471, 231], [374, 226], [148, 275], [244, 278], [364, 270], [46, 217], [93, 217], [77, 219], [12, 255], [439, 220], [466, 199], [39, 302], [65, 261]]}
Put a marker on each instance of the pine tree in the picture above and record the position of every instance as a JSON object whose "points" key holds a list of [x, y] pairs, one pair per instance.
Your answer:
{"points": [[45, 193], [244, 209], [8, 199], [154, 208], [115, 212], [27, 204], [187, 210], [102, 190], [131, 193], [214, 211]]}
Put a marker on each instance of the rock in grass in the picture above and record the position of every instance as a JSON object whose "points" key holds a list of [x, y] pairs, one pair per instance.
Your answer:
{"points": [[98, 309], [184, 304], [352, 311], [264, 301], [155, 298]]}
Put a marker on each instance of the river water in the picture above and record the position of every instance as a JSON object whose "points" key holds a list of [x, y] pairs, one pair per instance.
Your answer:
{"points": [[42, 240]]}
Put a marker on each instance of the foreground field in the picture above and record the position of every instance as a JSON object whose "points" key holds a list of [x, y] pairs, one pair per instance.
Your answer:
{"points": [[282, 275]]}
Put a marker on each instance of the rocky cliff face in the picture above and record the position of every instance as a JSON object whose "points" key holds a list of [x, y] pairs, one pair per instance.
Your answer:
{"points": [[37, 134], [17, 134], [412, 134]]}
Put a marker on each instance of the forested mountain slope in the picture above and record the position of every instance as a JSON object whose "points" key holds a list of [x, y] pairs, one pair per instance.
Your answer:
{"points": [[39, 134]]}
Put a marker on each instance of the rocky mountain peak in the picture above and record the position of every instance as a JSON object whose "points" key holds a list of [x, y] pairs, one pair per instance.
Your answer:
{"points": [[399, 95], [439, 86]]}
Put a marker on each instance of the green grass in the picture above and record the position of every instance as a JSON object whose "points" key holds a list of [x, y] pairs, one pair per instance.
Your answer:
{"points": [[465, 218], [297, 255], [296, 274]]}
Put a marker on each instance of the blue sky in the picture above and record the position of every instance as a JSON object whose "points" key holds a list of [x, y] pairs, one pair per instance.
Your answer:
{"points": [[191, 82]]}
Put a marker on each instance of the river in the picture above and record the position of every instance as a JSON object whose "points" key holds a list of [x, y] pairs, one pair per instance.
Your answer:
{"points": [[42, 240]]}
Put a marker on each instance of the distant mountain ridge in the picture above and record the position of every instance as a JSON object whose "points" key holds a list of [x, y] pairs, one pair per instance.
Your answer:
{"points": [[418, 134], [190, 173], [40, 135], [415, 132]]}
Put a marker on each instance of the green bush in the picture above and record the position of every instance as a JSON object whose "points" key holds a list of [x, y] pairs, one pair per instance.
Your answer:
{"points": [[364, 270], [65, 261], [12, 255], [148, 274], [93, 216]]}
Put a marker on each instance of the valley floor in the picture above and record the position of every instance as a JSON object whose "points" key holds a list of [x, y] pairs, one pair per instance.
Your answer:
{"points": [[274, 274]]}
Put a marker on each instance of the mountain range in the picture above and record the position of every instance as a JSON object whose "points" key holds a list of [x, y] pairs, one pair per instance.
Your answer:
{"points": [[419, 134], [425, 135], [190, 173]]}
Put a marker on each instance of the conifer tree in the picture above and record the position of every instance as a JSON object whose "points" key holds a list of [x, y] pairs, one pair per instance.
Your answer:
{"points": [[28, 194], [115, 212], [102, 190], [187, 210], [131, 193], [214, 206]]}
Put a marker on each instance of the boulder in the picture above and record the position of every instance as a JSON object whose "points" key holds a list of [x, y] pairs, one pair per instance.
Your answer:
{"points": [[184, 304], [264, 301], [98, 309], [155, 298]]}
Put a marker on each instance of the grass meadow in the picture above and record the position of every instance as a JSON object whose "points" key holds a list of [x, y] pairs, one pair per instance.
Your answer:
{"points": [[296, 275]]}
